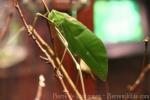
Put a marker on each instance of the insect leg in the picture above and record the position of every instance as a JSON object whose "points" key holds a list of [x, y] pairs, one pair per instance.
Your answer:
{"points": [[64, 41], [45, 5], [36, 18], [63, 56]]}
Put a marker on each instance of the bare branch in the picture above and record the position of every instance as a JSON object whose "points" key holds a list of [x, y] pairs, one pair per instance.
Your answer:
{"points": [[145, 66], [50, 56], [40, 87], [140, 79]]}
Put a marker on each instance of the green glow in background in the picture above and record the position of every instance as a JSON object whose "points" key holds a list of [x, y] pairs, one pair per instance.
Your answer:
{"points": [[117, 21]]}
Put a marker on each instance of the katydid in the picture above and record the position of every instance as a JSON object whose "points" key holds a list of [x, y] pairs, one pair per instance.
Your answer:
{"points": [[82, 42]]}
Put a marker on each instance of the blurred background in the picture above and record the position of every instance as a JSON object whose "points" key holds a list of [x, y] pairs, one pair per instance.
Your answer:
{"points": [[120, 24]]}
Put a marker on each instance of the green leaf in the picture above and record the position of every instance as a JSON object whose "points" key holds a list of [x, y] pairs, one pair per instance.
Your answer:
{"points": [[83, 42]]}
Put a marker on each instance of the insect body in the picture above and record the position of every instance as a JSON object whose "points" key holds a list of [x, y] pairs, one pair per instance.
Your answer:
{"points": [[82, 42]]}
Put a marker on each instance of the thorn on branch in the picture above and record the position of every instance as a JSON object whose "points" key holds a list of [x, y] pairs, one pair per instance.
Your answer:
{"points": [[45, 59]]}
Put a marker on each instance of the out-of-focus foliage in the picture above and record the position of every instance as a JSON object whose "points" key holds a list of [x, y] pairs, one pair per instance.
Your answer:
{"points": [[11, 50]]}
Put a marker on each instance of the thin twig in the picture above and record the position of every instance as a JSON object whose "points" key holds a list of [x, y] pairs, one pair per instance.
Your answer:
{"points": [[145, 59], [45, 5], [40, 87], [145, 66], [140, 79], [58, 73], [49, 54], [49, 27]]}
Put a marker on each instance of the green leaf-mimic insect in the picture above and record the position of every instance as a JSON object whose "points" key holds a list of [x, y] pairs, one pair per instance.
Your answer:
{"points": [[82, 42]]}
